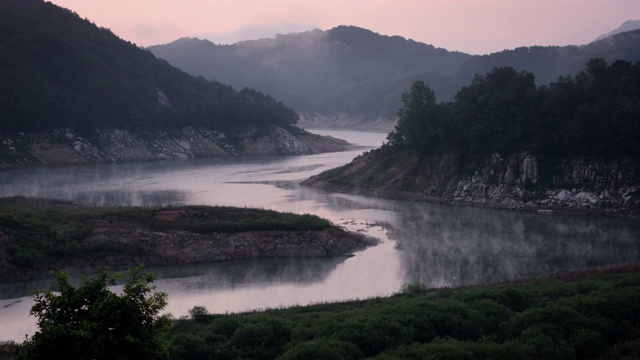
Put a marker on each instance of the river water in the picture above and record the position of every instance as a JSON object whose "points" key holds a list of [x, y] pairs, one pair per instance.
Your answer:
{"points": [[434, 244]]}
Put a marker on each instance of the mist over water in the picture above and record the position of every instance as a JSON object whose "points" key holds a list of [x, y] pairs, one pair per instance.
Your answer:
{"points": [[438, 245]]}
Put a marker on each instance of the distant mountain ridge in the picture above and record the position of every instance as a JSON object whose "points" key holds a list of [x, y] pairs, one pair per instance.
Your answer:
{"points": [[628, 25], [353, 72], [336, 71]]}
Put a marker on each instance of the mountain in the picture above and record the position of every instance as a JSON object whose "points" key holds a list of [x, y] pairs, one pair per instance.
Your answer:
{"points": [[57, 70], [353, 72], [628, 25], [77, 83], [343, 70], [548, 63]]}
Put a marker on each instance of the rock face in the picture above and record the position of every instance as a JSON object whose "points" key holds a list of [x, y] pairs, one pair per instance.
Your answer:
{"points": [[64, 146], [516, 181]]}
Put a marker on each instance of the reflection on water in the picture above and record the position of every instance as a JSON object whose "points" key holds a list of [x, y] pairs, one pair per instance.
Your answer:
{"points": [[435, 244], [231, 274], [452, 245]]}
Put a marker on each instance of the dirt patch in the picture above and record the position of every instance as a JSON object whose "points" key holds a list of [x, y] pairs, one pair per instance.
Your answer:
{"points": [[168, 215]]}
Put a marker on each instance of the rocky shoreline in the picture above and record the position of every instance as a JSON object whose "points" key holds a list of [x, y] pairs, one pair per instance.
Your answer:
{"points": [[66, 146], [513, 182]]}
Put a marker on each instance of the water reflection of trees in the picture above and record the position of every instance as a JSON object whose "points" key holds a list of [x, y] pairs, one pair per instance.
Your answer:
{"points": [[238, 273], [215, 275], [454, 245]]}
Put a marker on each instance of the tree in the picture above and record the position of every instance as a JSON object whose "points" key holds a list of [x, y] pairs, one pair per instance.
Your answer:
{"points": [[419, 120], [92, 322]]}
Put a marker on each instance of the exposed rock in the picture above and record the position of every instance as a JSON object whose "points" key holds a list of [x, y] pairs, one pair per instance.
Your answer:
{"points": [[511, 182], [64, 146]]}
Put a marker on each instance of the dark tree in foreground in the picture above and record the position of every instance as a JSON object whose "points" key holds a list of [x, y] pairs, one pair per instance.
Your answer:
{"points": [[92, 322]]}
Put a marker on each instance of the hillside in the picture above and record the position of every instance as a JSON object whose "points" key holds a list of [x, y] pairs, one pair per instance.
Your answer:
{"points": [[60, 74], [353, 73], [629, 25], [343, 70], [503, 142], [548, 63], [350, 72]]}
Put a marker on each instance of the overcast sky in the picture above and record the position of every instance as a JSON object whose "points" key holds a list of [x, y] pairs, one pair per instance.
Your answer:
{"points": [[471, 26]]}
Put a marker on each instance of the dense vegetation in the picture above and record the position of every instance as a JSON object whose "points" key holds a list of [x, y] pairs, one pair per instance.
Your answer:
{"points": [[595, 317], [93, 322], [57, 70], [38, 232], [595, 114], [358, 72]]}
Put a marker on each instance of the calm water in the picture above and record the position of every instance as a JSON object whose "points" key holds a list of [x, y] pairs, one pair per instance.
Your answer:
{"points": [[437, 245]]}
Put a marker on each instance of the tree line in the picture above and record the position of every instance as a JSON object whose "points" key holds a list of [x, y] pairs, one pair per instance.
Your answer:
{"points": [[594, 114]]}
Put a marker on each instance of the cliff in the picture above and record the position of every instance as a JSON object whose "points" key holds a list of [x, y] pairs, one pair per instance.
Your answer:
{"points": [[64, 146], [517, 181]]}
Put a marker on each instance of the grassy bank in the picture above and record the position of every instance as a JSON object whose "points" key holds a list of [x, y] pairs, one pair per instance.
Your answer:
{"points": [[34, 232], [589, 315]]}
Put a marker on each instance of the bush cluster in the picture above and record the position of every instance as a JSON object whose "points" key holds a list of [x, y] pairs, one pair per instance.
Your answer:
{"points": [[593, 318]]}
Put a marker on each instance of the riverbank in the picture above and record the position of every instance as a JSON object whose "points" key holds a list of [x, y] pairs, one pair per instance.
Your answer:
{"points": [[513, 182], [40, 235], [584, 314], [67, 147]]}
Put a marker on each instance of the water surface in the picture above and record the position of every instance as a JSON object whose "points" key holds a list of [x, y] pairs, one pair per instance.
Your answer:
{"points": [[437, 245]]}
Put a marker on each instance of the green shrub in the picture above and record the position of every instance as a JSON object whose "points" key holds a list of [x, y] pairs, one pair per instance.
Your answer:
{"points": [[323, 349]]}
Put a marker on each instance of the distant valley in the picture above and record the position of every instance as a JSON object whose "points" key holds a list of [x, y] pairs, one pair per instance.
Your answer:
{"points": [[349, 76]]}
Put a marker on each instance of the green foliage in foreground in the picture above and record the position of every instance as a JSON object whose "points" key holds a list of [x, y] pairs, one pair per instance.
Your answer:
{"points": [[92, 322], [597, 317], [41, 232]]}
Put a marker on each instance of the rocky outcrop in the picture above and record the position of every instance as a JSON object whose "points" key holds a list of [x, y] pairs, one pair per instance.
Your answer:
{"points": [[516, 181], [65, 146]]}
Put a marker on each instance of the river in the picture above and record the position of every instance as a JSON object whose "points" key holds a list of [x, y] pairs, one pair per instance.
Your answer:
{"points": [[434, 244]]}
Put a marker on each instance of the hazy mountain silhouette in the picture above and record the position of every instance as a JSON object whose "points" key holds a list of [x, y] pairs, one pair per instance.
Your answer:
{"points": [[628, 25], [354, 71]]}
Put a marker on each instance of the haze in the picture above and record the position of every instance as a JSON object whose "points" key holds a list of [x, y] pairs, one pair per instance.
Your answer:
{"points": [[471, 26]]}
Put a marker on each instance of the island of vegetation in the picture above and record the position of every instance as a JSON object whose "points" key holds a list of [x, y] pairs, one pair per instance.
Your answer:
{"points": [[39, 235], [504, 142]]}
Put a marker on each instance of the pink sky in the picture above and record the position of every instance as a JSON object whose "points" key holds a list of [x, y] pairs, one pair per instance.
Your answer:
{"points": [[471, 26]]}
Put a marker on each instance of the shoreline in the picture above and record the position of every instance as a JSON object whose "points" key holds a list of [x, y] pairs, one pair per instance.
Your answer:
{"points": [[314, 182], [120, 238]]}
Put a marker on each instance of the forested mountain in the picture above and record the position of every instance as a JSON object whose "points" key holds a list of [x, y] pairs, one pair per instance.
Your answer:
{"points": [[60, 71], [342, 70], [349, 70], [505, 142]]}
